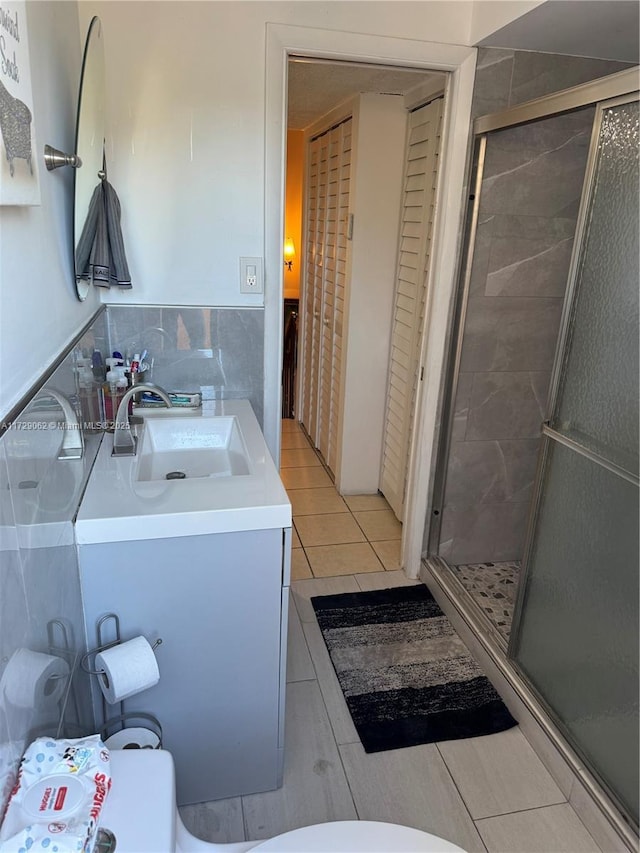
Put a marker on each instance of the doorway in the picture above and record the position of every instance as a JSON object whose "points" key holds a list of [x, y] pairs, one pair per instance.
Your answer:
{"points": [[352, 127], [283, 41]]}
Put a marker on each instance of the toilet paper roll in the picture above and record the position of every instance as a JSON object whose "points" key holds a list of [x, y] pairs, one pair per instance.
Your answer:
{"points": [[34, 680], [135, 737], [127, 669]]}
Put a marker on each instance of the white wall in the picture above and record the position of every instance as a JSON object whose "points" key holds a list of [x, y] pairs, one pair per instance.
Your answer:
{"points": [[491, 15], [39, 312], [375, 197], [186, 85], [186, 90]]}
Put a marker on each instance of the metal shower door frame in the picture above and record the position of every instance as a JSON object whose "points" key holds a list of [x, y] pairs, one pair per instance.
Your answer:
{"points": [[549, 435], [621, 86]]}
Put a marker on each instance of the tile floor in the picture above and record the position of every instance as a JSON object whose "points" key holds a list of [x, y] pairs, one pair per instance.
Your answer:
{"points": [[493, 587], [485, 794], [333, 535]]}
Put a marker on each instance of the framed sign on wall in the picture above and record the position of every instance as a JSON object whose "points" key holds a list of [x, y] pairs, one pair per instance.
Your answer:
{"points": [[18, 167]]}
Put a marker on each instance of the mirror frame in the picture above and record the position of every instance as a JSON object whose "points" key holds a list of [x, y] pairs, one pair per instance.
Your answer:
{"points": [[89, 142]]}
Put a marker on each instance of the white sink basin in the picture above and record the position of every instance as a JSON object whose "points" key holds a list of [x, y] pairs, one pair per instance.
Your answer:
{"points": [[230, 484], [186, 447]]}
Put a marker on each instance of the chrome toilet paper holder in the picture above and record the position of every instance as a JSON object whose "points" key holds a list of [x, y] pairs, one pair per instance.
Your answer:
{"points": [[103, 645], [121, 718]]}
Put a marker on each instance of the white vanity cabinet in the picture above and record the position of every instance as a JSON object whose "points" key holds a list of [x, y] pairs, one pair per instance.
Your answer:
{"points": [[219, 603], [202, 563]]}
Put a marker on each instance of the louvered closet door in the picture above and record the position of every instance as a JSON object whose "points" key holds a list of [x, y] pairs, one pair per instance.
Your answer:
{"points": [[333, 290], [414, 257], [327, 222], [313, 284], [342, 245]]}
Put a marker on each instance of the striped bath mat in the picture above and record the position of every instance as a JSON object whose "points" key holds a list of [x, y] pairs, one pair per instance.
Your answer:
{"points": [[406, 675]]}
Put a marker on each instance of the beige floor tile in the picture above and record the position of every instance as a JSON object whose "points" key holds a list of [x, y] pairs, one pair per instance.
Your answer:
{"points": [[329, 560], [305, 478], [410, 787], [499, 773], [315, 788], [295, 539], [299, 663], [594, 821], [316, 501], [389, 553], [302, 591], [379, 524], [298, 458], [294, 439], [343, 728], [290, 425], [384, 580], [220, 821], [359, 503], [332, 529], [555, 829], [300, 569]]}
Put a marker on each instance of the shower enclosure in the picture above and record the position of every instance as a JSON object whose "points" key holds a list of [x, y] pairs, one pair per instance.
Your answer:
{"points": [[535, 505]]}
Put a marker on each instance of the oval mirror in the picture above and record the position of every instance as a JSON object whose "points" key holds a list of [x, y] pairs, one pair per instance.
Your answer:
{"points": [[90, 130]]}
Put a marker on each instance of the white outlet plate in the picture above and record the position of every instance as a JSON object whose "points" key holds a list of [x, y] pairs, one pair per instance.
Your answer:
{"points": [[251, 275]]}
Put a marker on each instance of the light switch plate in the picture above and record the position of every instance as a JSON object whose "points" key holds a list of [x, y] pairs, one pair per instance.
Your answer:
{"points": [[251, 275]]}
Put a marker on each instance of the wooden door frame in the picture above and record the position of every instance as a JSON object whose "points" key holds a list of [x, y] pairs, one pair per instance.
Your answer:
{"points": [[282, 41]]}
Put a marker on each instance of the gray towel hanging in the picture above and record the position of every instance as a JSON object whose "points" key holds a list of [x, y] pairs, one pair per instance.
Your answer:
{"points": [[100, 255]]}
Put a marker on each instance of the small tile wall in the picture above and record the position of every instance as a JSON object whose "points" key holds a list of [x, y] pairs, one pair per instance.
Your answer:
{"points": [[40, 600], [505, 78], [217, 351]]}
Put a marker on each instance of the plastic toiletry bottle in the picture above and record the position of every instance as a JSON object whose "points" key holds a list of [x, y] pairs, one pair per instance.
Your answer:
{"points": [[97, 365], [114, 389]]}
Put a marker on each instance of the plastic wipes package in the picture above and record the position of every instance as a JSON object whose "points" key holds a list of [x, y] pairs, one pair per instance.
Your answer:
{"points": [[56, 802]]}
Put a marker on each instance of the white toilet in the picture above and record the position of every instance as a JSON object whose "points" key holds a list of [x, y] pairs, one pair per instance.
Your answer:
{"points": [[142, 814]]}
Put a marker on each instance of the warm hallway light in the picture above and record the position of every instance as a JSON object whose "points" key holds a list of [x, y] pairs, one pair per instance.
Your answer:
{"points": [[289, 253]]}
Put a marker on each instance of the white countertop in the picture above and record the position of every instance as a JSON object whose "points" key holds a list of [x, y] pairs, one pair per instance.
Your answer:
{"points": [[116, 507]]}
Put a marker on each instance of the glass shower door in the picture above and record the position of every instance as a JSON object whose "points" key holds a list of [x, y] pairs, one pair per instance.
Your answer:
{"points": [[575, 636]]}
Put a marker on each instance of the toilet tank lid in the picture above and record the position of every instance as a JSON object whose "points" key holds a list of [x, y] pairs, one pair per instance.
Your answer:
{"points": [[141, 807]]}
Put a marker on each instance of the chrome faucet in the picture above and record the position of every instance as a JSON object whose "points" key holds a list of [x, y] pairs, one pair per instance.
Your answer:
{"points": [[73, 441], [124, 441]]}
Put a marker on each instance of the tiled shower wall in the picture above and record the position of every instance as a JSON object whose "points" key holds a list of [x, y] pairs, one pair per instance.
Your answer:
{"points": [[529, 201], [505, 78], [218, 351], [528, 206]]}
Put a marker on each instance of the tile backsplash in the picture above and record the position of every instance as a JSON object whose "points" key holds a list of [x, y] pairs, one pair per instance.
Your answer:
{"points": [[217, 351]]}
